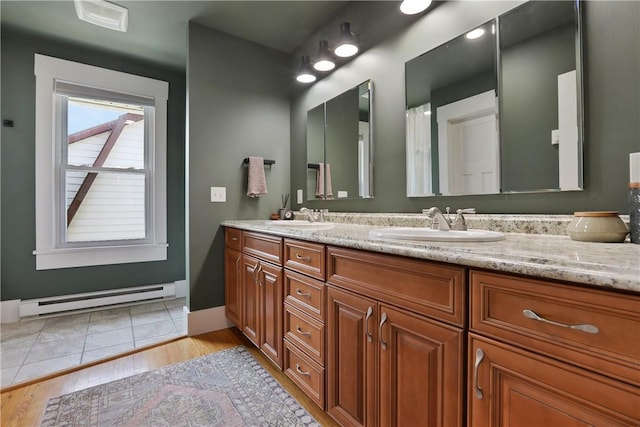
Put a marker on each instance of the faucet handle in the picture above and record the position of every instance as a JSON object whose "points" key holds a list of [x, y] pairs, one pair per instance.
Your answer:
{"points": [[466, 211], [459, 222]]}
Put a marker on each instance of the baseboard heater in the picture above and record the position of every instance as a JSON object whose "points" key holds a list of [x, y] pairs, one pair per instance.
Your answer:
{"points": [[85, 301]]}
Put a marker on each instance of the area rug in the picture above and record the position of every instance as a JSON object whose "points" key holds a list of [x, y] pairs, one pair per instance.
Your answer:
{"points": [[228, 388]]}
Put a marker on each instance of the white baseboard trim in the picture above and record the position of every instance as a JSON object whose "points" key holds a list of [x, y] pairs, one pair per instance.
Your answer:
{"points": [[207, 320], [10, 311]]}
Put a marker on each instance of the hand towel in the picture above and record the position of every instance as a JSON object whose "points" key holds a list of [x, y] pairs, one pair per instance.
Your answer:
{"points": [[256, 182], [324, 172]]}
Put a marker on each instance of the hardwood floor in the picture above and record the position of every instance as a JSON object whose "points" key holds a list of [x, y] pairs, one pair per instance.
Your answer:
{"points": [[24, 406]]}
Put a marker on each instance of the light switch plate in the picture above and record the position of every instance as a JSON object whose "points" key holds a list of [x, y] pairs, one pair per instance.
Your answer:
{"points": [[299, 196], [343, 194], [555, 137], [218, 194]]}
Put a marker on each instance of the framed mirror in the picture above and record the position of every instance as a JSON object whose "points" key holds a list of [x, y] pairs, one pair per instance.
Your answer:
{"points": [[499, 109], [340, 146]]}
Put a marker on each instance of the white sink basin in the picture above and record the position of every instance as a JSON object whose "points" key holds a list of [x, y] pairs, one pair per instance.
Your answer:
{"points": [[302, 225], [427, 234]]}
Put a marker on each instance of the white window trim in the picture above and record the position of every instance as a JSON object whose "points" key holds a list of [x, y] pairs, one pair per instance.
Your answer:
{"points": [[48, 255]]}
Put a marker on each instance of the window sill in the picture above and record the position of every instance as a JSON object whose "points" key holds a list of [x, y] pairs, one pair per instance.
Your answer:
{"points": [[84, 257]]}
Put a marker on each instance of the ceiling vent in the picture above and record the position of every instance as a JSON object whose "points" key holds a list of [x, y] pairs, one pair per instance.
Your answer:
{"points": [[103, 13]]}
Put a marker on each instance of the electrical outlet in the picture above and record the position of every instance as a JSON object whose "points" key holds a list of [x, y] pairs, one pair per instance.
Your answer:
{"points": [[299, 196], [343, 194], [218, 194]]}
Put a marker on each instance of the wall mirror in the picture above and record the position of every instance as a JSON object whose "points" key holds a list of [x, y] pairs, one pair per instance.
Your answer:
{"points": [[499, 109], [340, 146]]}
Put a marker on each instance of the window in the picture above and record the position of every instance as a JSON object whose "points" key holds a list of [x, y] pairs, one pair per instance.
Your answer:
{"points": [[100, 166]]}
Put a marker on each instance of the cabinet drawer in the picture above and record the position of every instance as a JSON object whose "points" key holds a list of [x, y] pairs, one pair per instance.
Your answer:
{"points": [[233, 238], [429, 288], [268, 248], [305, 257], [502, 306], [307, 374], [305, 294], [305, 332]]}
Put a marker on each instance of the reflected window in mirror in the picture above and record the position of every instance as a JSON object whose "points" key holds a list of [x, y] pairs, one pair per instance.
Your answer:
{"points": [[484, 115], [340, 146]]}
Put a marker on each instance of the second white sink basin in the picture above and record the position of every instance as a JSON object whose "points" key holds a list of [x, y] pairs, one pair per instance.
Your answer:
{"points": [[302, 225], [428, 234]]}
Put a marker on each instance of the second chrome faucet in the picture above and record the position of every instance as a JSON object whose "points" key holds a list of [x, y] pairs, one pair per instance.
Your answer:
{"points": [[440, 222]]}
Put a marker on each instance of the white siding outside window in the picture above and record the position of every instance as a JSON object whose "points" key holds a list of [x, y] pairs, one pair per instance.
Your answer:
{"points": [[98, 202]]}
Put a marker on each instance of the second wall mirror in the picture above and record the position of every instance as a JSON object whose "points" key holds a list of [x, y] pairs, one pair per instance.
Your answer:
{"points": [[499, 109], [340, 146]]}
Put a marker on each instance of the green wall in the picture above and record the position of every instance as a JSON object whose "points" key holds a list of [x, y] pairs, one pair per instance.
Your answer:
{"points": [[20, 280], [238, 106], [612, 125]]}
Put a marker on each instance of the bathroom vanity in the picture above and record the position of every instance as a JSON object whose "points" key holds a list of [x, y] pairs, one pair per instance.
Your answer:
{"points": [[531, 330]]}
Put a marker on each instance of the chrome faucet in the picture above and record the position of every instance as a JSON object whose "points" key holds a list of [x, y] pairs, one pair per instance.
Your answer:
{"points": [[316, 215], [438, 220], [444, 223]]}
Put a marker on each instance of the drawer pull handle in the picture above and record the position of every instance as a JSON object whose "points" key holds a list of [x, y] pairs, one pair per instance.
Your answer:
{"points": [[585, 327], [234, 239], [303, 258], [301, 332], [238, 264], [476, 386], [366, 324], [383, 343], [301, 372], [303, 294]]}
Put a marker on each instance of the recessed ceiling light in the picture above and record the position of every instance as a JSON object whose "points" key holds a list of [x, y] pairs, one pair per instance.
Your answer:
{"points": [[103, 13], [411, 7], [475, 34]]}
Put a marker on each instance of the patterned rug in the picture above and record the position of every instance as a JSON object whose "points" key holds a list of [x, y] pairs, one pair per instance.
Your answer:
{"points": [[228, 388]]}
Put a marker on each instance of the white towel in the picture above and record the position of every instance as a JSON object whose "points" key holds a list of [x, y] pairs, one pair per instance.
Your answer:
{"points": [[324, 171], [256, 182]]}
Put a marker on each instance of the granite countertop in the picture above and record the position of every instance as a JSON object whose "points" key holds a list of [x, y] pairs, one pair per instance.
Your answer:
{"points": [[552, 256]]}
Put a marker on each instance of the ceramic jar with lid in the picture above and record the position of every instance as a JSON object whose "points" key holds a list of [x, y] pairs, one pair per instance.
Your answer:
{"points": [[597, 226]]}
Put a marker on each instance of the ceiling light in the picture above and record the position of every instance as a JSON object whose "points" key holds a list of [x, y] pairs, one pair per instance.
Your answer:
{"points": [[411, 7], [475, 34], [324, 61], [347, 45], [305, 73], [103, 13]]}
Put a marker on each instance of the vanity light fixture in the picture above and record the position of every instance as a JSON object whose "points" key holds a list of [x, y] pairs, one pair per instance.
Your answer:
{"points": [[305, 73], [411, 7], [347, 45], [324, 61], [103, 13], [475, 34]]}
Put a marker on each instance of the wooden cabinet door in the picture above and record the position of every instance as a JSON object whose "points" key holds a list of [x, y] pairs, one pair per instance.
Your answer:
{"points": [[420, 371], [513, 387], [351, 358], [271, 306], [251, 299], [233, 286]]}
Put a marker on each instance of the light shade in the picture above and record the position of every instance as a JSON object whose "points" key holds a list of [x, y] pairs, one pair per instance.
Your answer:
{"points": [[411, 7], [103, 13], [347, 45], [305, 73], [324, 61]]}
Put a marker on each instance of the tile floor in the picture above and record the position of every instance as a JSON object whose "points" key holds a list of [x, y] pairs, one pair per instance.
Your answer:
{"points": [[33, 348]]}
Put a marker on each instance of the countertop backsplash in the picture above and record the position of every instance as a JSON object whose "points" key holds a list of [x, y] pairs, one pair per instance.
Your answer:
{"points": [[505, 223]]}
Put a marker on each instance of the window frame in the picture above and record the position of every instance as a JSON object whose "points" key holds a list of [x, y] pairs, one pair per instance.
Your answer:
{"points": [[51, 251]]}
